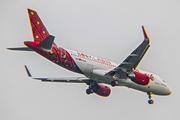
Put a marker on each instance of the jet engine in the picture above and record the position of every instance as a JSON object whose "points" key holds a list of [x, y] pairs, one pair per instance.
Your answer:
{"points": [[103, 90], [139, 78], [99, 89]]}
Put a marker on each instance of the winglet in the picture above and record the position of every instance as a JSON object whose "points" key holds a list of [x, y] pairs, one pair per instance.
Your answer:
{"points": [[29, 74], [145, 34]]}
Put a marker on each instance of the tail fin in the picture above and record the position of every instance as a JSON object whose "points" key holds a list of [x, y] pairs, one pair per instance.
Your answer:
{"points": [[40, 33], [38, 29]]}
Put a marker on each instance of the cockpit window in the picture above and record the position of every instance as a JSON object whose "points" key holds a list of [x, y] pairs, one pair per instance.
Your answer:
{"points": [[164, 81]]}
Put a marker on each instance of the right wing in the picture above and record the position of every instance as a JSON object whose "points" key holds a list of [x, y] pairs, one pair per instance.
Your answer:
{"points": [[62, 79], [65, 79], [132, 61]]}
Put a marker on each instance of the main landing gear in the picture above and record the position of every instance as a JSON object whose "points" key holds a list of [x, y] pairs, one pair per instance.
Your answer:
{"points": [[114, 83], [92, 87], [150, 101], [89, 91]]}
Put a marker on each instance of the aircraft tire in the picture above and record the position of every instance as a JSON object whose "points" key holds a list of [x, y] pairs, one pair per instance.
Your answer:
{"points": [[150, 101], [114, 83], [91, 90], [88, 91]]}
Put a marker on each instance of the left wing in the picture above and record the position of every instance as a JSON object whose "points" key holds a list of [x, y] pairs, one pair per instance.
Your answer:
{"points": [[62, 79], [132, 61]]}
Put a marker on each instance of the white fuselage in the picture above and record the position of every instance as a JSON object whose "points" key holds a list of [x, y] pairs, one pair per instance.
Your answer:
{"points": [[96, 68]]}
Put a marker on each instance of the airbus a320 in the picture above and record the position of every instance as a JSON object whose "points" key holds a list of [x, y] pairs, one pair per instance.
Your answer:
{"points": [[98, 73]]}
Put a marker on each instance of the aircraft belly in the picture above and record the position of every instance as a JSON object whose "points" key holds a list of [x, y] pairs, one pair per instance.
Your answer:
{"points": [[99, 75], [104, 79], [128, 83]]}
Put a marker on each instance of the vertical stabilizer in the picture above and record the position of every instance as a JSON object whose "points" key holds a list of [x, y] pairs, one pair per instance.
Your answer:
{"points": [[38, 29]]}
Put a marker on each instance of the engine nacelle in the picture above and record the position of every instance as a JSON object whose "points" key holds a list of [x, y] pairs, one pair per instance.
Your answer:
{"points": [[140, 78], [103, 90]]}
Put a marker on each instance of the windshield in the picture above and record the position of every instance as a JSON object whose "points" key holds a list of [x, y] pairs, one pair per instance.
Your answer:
{"points": [[164, 81]]}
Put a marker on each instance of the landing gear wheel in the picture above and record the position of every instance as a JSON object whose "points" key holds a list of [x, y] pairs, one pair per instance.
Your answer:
{"points": [[88, 91], [91, 90], [114, 83], [150, 101], [93, 87]]}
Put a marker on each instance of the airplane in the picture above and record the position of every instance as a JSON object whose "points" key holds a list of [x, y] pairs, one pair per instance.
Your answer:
{"points": [[98, 73]]}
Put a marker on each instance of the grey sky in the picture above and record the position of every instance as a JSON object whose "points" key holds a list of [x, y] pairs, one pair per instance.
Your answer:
{"points": [[109, 29]]}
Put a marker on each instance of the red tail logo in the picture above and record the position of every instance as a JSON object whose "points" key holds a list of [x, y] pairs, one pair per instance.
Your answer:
{"points": [[38, 29]]}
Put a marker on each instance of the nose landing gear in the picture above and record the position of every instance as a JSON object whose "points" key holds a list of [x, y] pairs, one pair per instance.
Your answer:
{"points": [[150, 101]]}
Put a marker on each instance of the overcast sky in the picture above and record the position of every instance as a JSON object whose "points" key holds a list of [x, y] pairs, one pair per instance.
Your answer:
{"points": [[109, 29]]}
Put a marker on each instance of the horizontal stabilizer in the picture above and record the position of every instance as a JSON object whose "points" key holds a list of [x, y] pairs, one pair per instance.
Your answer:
{"points": [[20, 49], [47, 42]]}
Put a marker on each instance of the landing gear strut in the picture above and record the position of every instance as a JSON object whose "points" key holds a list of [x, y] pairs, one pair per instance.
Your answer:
{"points": [[150, 101], [115, 81], [92, 87]]}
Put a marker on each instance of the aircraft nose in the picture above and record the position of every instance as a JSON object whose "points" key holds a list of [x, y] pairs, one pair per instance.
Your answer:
{"points": [[168, 91]]}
